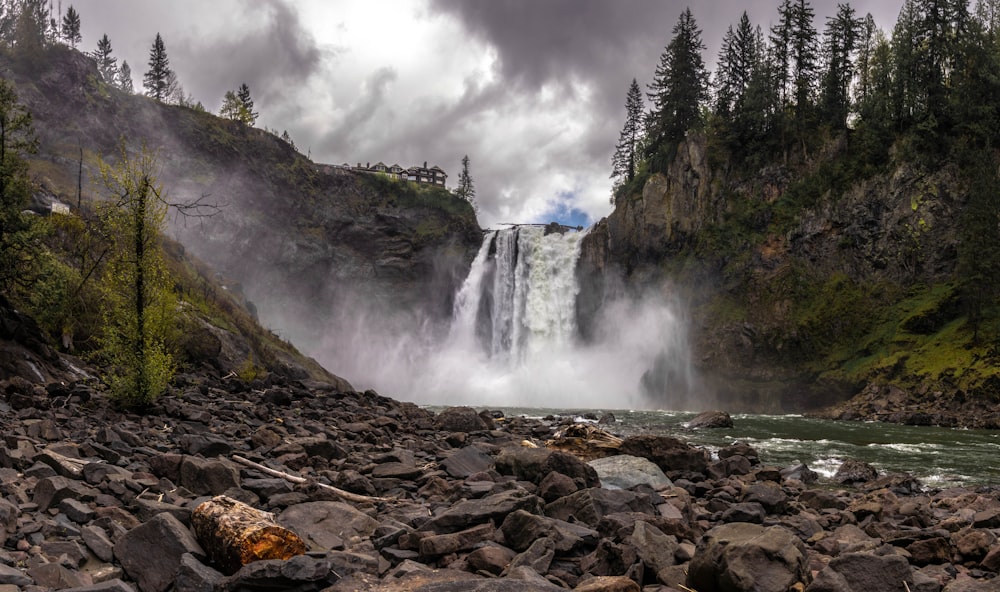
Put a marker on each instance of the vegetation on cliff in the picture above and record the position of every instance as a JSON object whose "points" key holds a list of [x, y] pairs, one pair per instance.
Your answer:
{"points": [[835, 207]]}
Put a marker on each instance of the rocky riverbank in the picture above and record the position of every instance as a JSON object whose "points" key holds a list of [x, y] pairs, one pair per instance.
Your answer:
{"points": [[97, 499], [950, 408]]}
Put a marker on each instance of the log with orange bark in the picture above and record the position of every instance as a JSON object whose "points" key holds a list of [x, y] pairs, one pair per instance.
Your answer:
{"points": [[235, 534]]}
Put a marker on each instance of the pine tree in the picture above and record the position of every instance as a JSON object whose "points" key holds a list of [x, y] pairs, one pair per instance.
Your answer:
{"points": [[626, 156], [840, 41], [247, 115], [71, 27], [466, 189], [679, 88], [125, 78], [137, 298], [867, 41], [17, 140], [159, 81], [107, 65]]}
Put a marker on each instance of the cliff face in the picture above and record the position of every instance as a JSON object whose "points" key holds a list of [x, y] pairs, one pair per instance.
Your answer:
{"points": [[300, 239], [798, 285]]}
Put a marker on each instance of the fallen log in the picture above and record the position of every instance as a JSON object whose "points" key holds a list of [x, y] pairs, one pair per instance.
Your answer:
{"points": [[235, 534], [347, 495]]}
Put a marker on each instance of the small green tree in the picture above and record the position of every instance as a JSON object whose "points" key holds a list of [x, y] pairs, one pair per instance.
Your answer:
{"points": [[17, 139], [466, 189], [138, 302], [230, 106], [71, 27]]}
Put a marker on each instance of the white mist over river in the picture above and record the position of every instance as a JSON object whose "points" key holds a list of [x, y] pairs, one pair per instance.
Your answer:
{"points": [[514, 340]]}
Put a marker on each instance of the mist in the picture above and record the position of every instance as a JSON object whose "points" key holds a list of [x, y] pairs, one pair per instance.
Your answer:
{"points": [[526, 353]]}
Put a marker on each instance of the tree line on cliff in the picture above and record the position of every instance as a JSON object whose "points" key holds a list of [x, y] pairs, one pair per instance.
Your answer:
{"points": [[926, 93]]}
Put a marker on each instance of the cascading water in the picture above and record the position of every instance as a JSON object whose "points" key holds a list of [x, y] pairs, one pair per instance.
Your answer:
{"points": [[520, 295], [514, 339]]}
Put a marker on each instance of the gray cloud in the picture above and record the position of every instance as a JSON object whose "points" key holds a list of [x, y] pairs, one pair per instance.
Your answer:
{"points": [[540, 124]]}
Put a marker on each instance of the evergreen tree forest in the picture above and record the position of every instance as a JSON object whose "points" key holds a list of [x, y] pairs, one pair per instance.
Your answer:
{"points": [[778, 94], [925, 93]]}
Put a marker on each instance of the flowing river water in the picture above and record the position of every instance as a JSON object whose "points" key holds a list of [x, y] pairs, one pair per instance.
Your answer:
{"points": [[938, 457]]}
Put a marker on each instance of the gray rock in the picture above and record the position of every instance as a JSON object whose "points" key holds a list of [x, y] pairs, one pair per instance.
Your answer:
{"points": [[463, 540], [538, 556], [274, 574], [52, 490], [207, 445], [624, 472], [751, 512], [853, 472], [741, 557], [492, 559], [800, 472], [655, 549], [195, 576], [670, 454], [476, 511], [863, 571], [534, 464], [710, 420], [590, 505], [327, 525], [207, 477], [459, 419], [467, 461], [55, 576], [11, 576], [520, 529], [98, 542], [151, 552], [768, 494]]}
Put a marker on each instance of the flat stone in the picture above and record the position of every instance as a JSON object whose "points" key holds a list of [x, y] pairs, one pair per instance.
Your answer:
{"points": [[467, 461], [327, 525], [463, 540], [476, 511]]}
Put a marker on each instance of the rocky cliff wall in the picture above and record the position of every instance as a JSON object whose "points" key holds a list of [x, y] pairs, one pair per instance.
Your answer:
{"points": [[778, 266]]}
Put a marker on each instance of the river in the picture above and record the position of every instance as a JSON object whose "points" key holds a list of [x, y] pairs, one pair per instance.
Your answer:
{"points": [[938, 457]]}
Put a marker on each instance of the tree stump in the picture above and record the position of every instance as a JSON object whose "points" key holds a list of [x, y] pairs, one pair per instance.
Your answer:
{"points": [[235, 534]]}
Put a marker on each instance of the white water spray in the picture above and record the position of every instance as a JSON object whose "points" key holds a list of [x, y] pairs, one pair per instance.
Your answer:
{"points": [[513, 340]]}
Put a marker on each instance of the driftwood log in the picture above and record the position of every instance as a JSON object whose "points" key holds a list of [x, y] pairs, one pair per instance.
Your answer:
{"points": [[235, 534]]}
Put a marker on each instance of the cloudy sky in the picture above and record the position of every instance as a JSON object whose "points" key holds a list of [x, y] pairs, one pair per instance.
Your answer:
{"points": [[533, 91]]}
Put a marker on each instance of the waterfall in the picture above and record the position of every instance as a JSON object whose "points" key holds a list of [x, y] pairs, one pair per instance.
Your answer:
{"points": [[520, 295]]}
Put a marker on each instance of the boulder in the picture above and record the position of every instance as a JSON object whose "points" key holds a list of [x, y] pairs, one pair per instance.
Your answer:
{"points": [[207, 477], [467, 461], [624, 472], [491, 559], [655, 549], [863, 571], [853, 472], [670, 454], [520, 529], [327, 525], [768, 494], [459, 419], [800, 472], [710, 420], [742, 557], [534, 464], [590, 505], [477, 511], [151, 552]]}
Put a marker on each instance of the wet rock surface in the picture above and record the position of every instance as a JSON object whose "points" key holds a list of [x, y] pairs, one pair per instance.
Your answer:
{"points": [[389, 496]]}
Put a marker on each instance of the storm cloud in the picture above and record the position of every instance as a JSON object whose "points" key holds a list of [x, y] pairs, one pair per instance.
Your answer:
{"points": [[533, 92]]}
